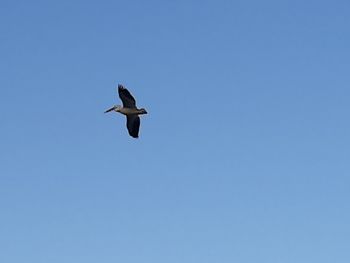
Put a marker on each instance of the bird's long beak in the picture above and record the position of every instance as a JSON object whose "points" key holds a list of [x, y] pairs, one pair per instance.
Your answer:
{"points": [[109, 109]]}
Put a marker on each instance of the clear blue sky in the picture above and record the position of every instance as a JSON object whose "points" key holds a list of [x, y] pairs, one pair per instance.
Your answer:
{"points": [[243, 157]]}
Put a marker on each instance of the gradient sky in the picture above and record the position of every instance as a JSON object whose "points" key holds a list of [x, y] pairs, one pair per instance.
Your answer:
{"points": [[243, 157]]}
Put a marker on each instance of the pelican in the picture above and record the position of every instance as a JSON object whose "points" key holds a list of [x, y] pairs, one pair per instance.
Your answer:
{"points": [[130, 110]]}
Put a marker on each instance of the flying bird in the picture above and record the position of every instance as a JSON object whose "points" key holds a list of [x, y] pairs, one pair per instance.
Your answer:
{"points": [[130, 110]]}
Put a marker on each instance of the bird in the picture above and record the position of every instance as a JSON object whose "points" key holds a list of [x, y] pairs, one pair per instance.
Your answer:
{"points": [[130, 110]]}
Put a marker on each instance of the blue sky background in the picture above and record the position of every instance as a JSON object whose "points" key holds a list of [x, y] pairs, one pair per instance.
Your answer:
{"points": [[243, 157]]}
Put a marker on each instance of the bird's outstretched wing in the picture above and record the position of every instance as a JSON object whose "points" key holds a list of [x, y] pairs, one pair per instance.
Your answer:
{"points": [[133, 125], [126, 97]]}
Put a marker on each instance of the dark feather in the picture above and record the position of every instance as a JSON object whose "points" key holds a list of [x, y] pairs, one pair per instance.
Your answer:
{"points": [[133, 125], [126, 97]]}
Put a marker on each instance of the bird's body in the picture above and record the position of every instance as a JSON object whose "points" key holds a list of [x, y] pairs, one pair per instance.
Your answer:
{"points": [[130, 110]]}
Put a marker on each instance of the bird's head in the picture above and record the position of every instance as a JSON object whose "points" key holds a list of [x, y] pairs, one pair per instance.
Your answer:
{"points": [[114, 108]]}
